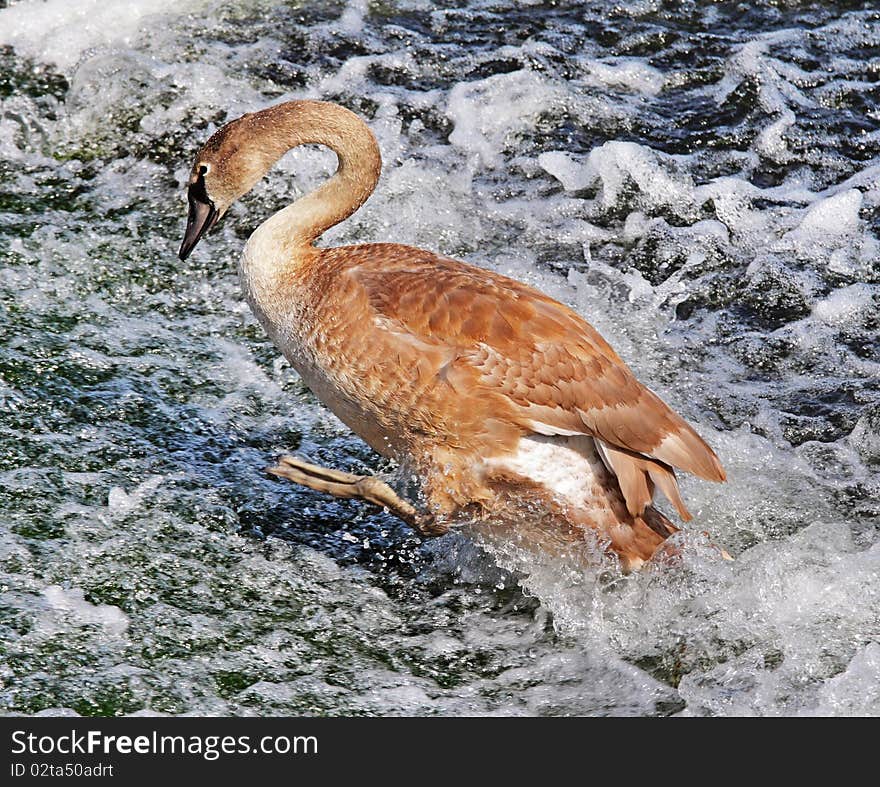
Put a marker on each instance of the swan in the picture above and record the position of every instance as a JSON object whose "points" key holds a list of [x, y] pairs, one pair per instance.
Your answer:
{"points": [[504, 404]]}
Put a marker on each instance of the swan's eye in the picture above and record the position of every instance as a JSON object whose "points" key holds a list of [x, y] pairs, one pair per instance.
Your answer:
{"points": [[203, 169]]}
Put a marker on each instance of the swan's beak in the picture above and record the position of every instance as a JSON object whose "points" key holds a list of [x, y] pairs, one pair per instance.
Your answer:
{"points": [[202, 216]]}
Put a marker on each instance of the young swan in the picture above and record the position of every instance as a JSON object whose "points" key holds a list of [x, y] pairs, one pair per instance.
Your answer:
{"points": [[508, 407]]}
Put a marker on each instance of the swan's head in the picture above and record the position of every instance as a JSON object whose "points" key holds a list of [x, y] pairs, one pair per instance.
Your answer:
{"points": [[228, 166]]}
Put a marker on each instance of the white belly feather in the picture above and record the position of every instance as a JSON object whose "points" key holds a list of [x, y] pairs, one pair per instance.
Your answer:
{"points": [[569, 467]]}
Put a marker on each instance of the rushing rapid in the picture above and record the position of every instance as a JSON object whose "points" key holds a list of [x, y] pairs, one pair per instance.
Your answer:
{"points": [[700, 181]]}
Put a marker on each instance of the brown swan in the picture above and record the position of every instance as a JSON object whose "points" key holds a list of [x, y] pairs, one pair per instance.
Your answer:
{"points": [[505, 404]]}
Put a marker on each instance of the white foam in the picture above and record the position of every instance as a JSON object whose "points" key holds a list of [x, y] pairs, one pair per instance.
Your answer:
{"points": [[487, 112], [73, 610], [619, 163], [61, 31], [629, 73], [120, 502], [771, 141], [865, 437], [831, 217], [352, 19], [774, 78], [847, 304], [855, 691], [572, 174]]}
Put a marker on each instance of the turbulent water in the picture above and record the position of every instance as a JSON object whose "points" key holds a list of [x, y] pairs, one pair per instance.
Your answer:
{"points": [[699, 180]]}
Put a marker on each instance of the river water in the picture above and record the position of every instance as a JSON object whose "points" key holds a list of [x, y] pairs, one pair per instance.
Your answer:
{"points": [[700, 180]]}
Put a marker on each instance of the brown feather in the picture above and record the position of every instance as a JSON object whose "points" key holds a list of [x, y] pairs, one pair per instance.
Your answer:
{"points": [[634, 481], [638, 475], [664, 478], [542, 358]]}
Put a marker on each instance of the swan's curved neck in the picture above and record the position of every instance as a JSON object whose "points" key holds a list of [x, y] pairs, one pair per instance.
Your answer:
{"points": [[296, 123]]}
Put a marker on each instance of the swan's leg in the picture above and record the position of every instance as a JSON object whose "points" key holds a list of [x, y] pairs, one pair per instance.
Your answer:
{"points": [[366, 487]]}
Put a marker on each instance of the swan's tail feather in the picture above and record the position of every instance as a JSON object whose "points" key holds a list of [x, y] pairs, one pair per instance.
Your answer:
{"points": [[685, 449], [664, 478], [638, 475], [635, 484]]}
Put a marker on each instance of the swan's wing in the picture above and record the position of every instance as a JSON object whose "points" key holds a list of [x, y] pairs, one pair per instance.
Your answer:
{"points": [[552, 368]]}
